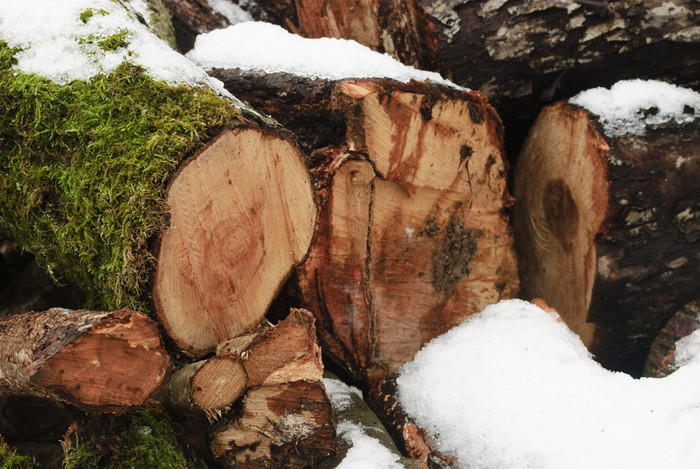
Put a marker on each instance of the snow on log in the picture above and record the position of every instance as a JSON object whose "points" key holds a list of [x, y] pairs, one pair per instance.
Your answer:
{"points": [[131, 172], [411, 181], [606, 219], [523, 53], [285, 418], [662, 354], [502, 390], [102, 361]]}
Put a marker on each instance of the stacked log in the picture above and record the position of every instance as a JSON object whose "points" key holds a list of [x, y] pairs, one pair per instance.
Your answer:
{"points": [[605, 226], [661, 360], [411, 185]]}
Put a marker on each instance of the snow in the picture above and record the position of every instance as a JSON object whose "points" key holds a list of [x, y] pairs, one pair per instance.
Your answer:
{"points": [[58, 45], [258, 46], [630, 105], [513, 387], [229, 10], [365, 452]]}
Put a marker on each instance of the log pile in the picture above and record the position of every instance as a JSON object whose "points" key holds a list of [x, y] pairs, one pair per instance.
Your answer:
{"points": [[383, 204]]}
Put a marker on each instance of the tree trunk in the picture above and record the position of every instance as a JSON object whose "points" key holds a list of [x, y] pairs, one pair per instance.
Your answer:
{"points": [[606, 228], [524, 53], [411, 237], [285, 418], [237, 224], [94, 360]]}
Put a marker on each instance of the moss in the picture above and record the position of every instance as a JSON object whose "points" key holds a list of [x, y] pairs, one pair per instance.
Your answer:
{"points": [[142, 438], [88, 13], [83, 169], [114, 41], [9, 459]]}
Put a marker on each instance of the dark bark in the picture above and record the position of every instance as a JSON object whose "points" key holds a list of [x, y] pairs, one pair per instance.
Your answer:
{"points": [[661, 359]]}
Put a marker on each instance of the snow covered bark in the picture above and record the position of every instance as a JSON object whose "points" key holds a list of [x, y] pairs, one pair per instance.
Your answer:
{"points": [[411, 237], [521, 53], [94, 360], [606, 218]]}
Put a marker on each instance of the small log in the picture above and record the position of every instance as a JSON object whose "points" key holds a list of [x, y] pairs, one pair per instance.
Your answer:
{"points": [[661, 360], [606, 227], [285, 418], [101, 361], [412, 237], [280, 425]]}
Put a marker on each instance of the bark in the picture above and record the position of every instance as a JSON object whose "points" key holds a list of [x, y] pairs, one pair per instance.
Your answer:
{"points": [[94, 360], [411, 237], [661, 359], [411, 439], [193, 17], [237, 225], [607, 228], [524, 53]]}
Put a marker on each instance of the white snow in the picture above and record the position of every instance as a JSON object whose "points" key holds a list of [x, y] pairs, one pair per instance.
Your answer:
{"points": [[511, 387], [365, 452], [229, 10], [629, 105], [265, 47], [58, 45]]}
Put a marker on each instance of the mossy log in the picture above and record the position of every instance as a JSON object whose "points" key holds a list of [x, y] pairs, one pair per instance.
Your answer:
{"points": [[285, 418], [606, 227], [412, 237], [522, 54], [661, 360], [152, 195], [103, 361]]}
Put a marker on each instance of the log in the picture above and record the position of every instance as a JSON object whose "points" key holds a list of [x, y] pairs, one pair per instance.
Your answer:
{"points": [[523, 54], [605, 225], [281, 425], [412, 237], [285, 418], [661, 360], [97, 361], [156, 190]]}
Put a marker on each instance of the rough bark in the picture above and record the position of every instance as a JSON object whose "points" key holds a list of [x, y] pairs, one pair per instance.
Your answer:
{"points": [[607, 228], [411, 439], [103, 361], [411, 237], [523, 53], [237, 225], [661, 359], [193, 17]]}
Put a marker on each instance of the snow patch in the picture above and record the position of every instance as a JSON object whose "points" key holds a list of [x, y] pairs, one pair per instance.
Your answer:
{"points": [[258, 46], [630, 105], [340, 393], [512, 388], [57, 44], [229, 10]]}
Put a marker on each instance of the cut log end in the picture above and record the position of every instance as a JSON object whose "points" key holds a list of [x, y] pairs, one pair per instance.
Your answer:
{"points": [[241, 215], [561, 201], [218, 384]]}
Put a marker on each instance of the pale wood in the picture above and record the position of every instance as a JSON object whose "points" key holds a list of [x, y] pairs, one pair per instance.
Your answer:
{"points": [[562, 197], [94, 360], [241, 215]]}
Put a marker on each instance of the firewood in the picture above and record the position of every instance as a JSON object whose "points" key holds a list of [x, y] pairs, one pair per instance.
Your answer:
{"points": [[605, 226], [102, 361], [661, 360], [285, 418], [522, 54], [149, 186], [412, 237], [280, 425]]}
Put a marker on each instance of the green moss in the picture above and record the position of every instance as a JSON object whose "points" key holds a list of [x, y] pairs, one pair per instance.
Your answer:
{"points": [[9, 459], [83, 169], [114, 41], [88, 13], [142, 438]]}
